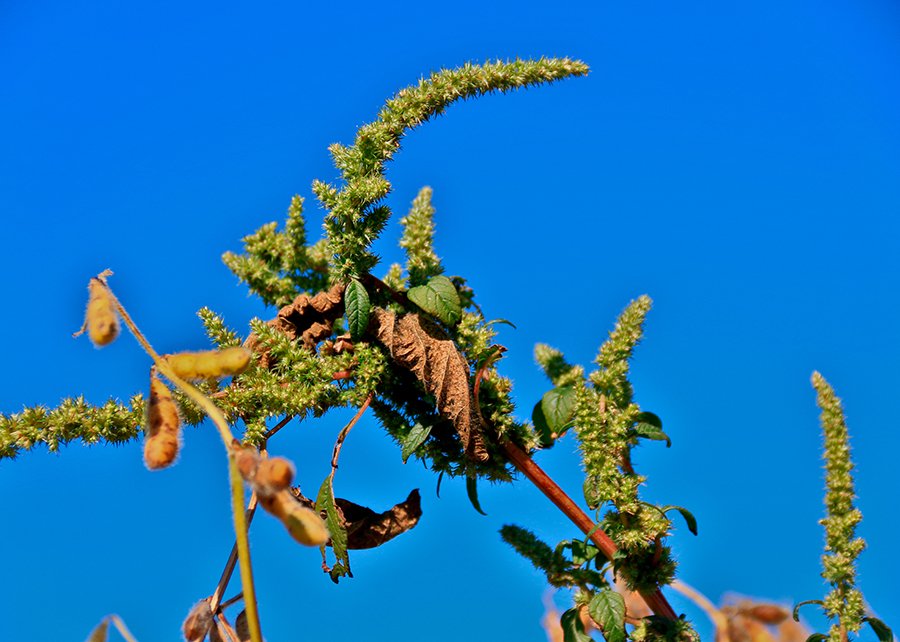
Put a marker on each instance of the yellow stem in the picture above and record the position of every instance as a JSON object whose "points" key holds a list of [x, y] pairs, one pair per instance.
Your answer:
{"points": [[237, 483]]}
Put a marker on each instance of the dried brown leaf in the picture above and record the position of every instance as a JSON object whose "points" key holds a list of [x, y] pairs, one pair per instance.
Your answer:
{"points": [[421, 347], [308, 318], [368, 529]]}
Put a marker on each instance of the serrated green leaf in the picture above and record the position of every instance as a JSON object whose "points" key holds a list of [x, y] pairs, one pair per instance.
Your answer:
{"points": [[796, 613], [358, 306], [649, 426], [325, 501], [100, 632], [607, 608], [540, 425], [438, 298], [415, 438], [573, 629], [558, 406], [472, 492], [687, 515], [881, 629]]}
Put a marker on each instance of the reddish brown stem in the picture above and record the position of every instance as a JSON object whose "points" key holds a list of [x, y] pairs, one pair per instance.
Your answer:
{"points": [[654, 599]]}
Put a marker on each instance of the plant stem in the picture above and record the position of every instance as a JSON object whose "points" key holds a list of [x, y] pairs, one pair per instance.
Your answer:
{"points": [[654, 599], [237, 482]]}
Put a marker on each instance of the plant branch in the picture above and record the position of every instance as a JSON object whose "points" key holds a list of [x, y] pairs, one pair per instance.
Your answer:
{"points": [[339, 443], [655, 600]]}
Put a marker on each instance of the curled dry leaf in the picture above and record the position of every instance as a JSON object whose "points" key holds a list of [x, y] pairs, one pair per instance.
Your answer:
{"points": [[308, 318], [424, 349], [368, 529]]}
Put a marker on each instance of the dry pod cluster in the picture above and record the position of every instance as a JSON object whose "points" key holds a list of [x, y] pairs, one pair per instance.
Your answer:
{"points": [[271, 480], [163, 426]]}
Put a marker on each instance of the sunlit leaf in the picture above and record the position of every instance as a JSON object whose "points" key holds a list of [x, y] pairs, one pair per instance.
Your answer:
{"points": [[607, 608], [438, 298], [416, 437], [558, 406]]}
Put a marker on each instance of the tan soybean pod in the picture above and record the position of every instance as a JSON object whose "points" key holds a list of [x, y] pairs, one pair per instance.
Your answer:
{"points": [[101, 318], [163, 427], [304, 525], [210, 364]]}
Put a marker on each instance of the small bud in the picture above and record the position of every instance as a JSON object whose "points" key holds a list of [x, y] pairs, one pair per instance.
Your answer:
{"points": [[304, 525], [273, 475], [247, 460], [210, 364], [198, 622], [163, 427], [101, 318]]}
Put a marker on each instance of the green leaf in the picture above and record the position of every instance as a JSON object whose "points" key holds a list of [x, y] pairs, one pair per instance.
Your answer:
{"points": [[540, 425], [573, 629], [503, 321], [357, 305], [645, 417], [881, 629], [607, 608], [583, 552], [438, 298], [796, 613], [100, 632], [688, 517], [415, 438], [472, 492], [333, 518], [649, 426], [817, 637], [558, 406]]}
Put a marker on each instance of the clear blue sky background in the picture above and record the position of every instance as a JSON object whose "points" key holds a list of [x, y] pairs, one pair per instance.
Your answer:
{"points": [[738, 162]]}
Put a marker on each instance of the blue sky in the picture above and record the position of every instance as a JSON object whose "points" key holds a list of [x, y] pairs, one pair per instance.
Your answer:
{"points": [[738, 162]]}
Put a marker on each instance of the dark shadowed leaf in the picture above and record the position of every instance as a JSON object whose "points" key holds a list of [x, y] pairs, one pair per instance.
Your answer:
{"points": [[100, 632], [573, 629], [558, 406], [540, 425], [357, 305], [416, 437], [472, 492], [688, 517], [817, 637], [582, 552], [645, 417], [607, 608], [881, 629], [438, 298]]}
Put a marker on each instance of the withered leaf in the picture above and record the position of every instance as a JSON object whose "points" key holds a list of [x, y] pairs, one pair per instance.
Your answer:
{"points": [[421, 347], [308, 318], [368, 529]]}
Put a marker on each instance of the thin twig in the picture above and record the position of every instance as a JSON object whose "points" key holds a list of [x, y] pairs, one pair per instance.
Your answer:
{"points": [[718, 618], [274, 429], [654, 599], [339, 443], [121, 628], [216, 597], [226, 631]]}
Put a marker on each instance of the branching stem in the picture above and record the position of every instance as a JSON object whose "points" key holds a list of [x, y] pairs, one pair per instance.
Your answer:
{"points": [[655, 599]]}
